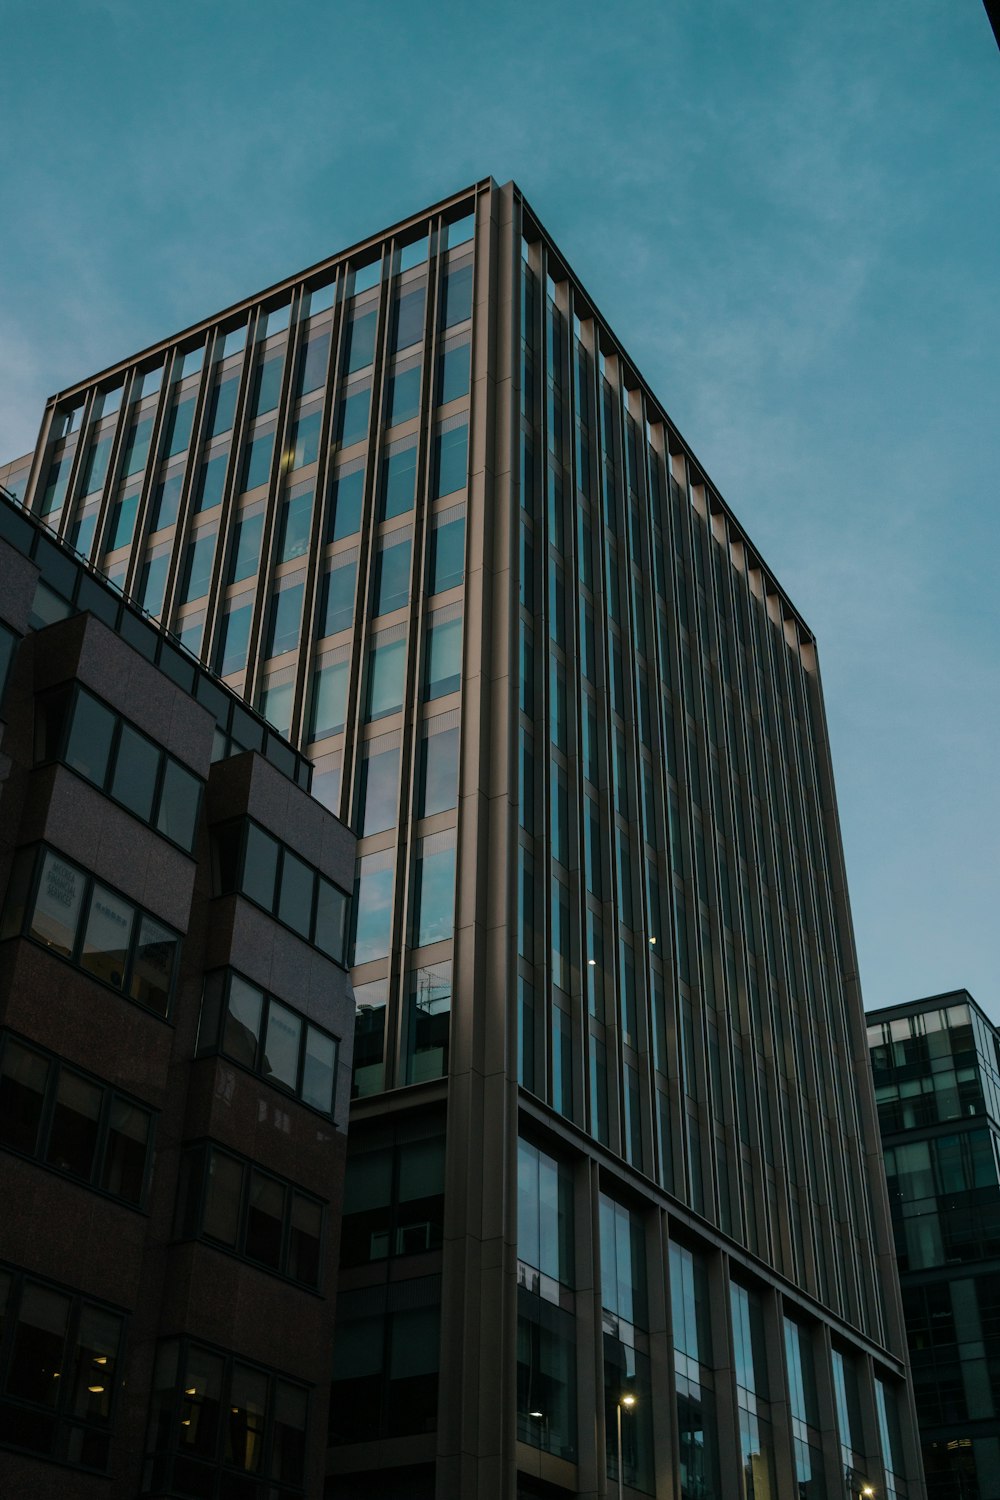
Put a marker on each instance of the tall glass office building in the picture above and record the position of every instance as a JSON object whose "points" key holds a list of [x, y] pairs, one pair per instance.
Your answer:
{"points": [[614, 1214], [936, 1065]]}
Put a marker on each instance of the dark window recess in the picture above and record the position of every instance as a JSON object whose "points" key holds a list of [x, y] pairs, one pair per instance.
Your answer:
{"points": [[222, 1428], [249, 860], [8, 645], [76, 728], [393, 1194], [385, 1361], [59, 1361], [66, 910], [263, 1034], [73, 1122], [228, 1200]]}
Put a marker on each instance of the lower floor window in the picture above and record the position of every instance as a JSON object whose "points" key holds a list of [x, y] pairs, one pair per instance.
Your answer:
{"points": [[60, 1356], [222, 1427]]}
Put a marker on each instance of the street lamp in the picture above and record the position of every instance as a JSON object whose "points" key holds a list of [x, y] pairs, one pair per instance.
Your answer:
{"points": [[628, 1400]]}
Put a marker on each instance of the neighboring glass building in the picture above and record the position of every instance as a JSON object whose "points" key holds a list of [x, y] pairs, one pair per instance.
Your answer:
{"points": [[936, 1064], [613, 1130]]}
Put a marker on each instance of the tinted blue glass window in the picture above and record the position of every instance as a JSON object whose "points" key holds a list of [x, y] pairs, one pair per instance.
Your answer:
{"points": [[258, 461], [379, 793], [137, 446], [178, 432], [360, 341], [201, 551], [458, 296], [373, 892], [405, 399], [154, 583], [123, 521], [295, 526], [82, 534], [235, 638], [168, 499], [285, 617], [453, 376], [435, 893], [408, 324], [451, 461], [444, 658], [345, 504], [55, 485], [329, 698], [312, 363], [96, 468], [438, 772], [385, 680], [447, 555], [223, 406], [305, 439], [352, 423], [399, 475], [392, 585], [267, 386], [246, 557], [211, 482], [337, 606]]}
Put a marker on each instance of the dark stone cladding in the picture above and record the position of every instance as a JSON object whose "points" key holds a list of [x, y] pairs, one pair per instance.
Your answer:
{"points": [[59, 1229]]}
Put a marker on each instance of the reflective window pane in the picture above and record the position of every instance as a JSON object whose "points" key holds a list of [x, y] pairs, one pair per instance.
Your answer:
{"points": [[137, 765], [453, 373], [241, 1028], [246, 554], [88, 748], [295, 896], [73, 1129], [260, 867], [153, 965], [179, 799], [337, 602], [379, 791], [392, 575], [58, 904], [318, 1073], [451, 461], [439, 772], [345, 503], [399, 474], [109, 932], [331, 919], [447, 555], [295, 518], [281, 1047]]}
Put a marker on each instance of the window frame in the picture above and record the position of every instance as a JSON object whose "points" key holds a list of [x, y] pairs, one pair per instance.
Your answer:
{"points": [[111, 1095], [58, 754], [160, 1456], [196, 1156], [64, 1422], [237, 888], [38, 852], [215, 1046]]}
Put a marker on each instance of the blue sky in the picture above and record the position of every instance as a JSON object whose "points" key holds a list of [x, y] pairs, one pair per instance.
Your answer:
{"points": [[790, 215]]}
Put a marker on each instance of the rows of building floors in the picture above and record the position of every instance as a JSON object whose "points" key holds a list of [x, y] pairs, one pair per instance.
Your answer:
{"points": [[399, 732]]}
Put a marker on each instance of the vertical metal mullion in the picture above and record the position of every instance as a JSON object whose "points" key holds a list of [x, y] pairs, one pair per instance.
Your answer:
{"points": [[321, 501]]}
